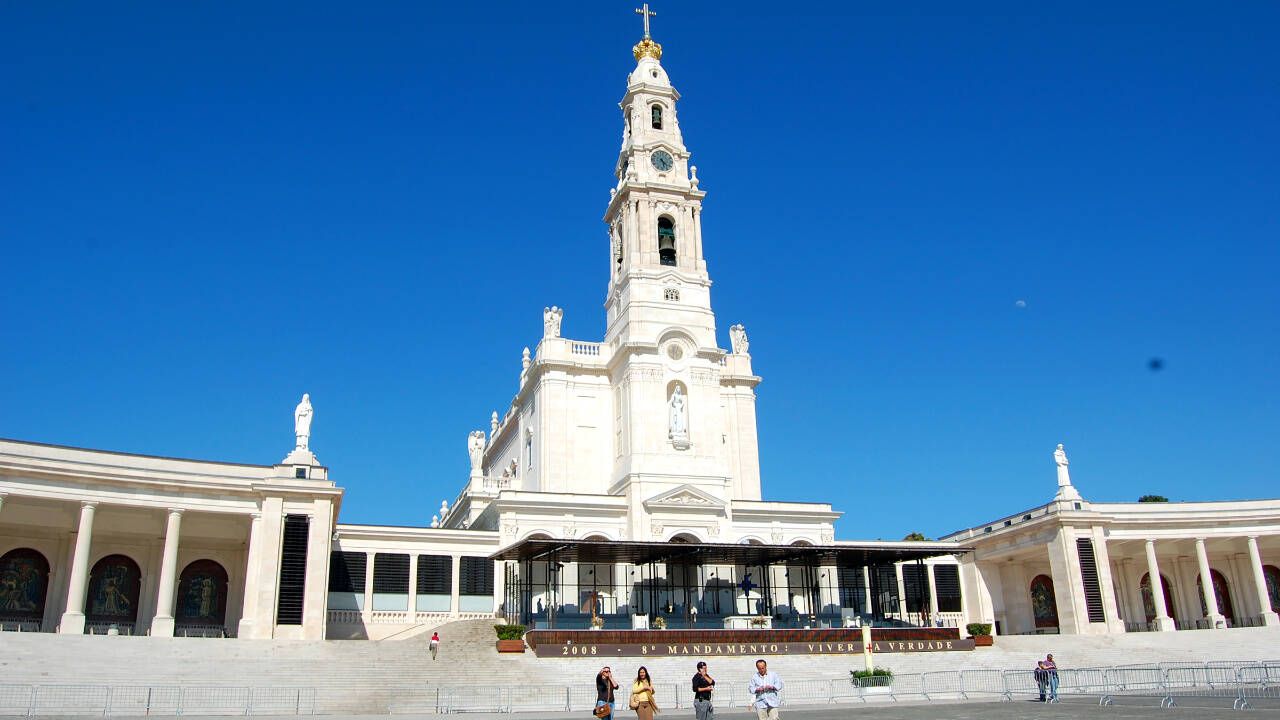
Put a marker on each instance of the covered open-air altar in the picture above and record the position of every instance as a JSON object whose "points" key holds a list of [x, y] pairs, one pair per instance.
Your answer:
{"points": [[555, 584]]}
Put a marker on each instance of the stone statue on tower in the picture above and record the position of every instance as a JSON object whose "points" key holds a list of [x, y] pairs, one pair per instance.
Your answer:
{"points": [[1065, 490], [302, 415]]}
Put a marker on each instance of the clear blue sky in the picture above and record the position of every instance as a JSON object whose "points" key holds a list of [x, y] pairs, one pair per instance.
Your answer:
{"points": [[208, 209]]}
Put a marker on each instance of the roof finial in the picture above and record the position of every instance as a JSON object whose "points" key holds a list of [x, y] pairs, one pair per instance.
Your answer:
{"points": [[647, 13], [647, 46]]}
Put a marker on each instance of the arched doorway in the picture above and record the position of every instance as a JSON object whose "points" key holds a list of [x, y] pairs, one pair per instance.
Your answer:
{"points": [[1044, 605], [1148, 601], [24, 582], [1221, 592], [114, 583], [202, 595], [1271, 574]]}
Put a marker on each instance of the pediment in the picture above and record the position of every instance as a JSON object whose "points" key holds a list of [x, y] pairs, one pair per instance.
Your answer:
{"points": [[685, 496]]}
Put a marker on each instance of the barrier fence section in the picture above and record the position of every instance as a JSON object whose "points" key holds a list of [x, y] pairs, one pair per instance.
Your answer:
{"points": [[1240, 682], [142, 700]]}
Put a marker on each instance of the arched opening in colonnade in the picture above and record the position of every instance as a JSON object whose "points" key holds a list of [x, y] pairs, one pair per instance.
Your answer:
{"points": [[114, 584], [24, 583], [202, 596], [1148, 601], [1221, 592], [1044, 604], [1271, 574]]}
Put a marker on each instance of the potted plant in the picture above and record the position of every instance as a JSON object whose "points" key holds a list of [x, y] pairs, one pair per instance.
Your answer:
{"points": [[873, 682], [510, 638], [659, 623], [981, 633], [597, 622]]}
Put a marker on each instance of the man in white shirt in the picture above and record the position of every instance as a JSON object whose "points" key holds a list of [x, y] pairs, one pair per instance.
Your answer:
{"points": [[764, 686]]}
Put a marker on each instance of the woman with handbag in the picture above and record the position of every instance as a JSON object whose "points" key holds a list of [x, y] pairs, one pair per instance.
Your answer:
{"points": [[605, 685], [642, 695]]}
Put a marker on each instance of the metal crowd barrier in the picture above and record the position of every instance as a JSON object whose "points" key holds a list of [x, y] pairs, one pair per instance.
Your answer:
{"points": [[140, 700]]}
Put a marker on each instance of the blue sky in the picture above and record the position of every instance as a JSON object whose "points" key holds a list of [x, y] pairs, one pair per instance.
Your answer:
{"points": [[209, 209]]}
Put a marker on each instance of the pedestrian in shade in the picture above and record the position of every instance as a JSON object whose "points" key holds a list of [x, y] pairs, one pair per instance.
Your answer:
{"points": [[764, 687], [435, 644], [703, 684]]}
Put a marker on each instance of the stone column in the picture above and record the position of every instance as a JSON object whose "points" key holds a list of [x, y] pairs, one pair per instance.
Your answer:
{"points": [[866, 587], [253, 563], [1162, 620], [1106, 582], [162, 624], [933, 590], [366, 613], [78, 586], [315, 611], [1269, 616], [1068, 587], [2, 497], [413, 587], [1215, 618], [697, 235], [261, 605], [902, 592], [455, 591]]}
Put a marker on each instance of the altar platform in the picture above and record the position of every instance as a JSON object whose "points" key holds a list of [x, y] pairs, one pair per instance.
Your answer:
{"points": [[711, 642]]}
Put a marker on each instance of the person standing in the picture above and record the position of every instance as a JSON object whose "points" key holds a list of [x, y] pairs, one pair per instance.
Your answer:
{"points": [[1051, 670], [1042, 678], [642, 695], [703, 684], [605, 685], [435, 644], [764, 687]]}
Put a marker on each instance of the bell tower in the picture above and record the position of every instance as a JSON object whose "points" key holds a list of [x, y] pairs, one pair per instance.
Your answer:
{"points": [[657, 274]]}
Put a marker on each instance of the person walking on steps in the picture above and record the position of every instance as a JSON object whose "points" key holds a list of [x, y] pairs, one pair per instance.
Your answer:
{"points": [[435, 644], [764, 687], [703, 684], [642, 695], [605, 685]]}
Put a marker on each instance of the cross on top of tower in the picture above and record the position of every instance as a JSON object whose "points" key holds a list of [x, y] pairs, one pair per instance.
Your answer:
{"points": [[647, 13]]}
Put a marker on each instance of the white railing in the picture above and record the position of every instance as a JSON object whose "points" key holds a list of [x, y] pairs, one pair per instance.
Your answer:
{"points": [[584, 348], [496, 483], [1167, 682], [399, 617], [142, 700]]}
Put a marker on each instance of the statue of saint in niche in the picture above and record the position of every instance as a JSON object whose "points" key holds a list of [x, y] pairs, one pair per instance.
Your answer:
{"points": [[679, 426]]}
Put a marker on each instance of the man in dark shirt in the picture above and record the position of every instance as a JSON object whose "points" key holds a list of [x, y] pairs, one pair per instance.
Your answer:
{"points": [[702, 687]]}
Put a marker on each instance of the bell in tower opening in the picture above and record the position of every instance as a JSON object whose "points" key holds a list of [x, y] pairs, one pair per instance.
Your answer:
{"points": [[666, 241]]}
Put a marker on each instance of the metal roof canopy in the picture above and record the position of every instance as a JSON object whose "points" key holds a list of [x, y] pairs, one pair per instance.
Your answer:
{"points": [[640, 553]]}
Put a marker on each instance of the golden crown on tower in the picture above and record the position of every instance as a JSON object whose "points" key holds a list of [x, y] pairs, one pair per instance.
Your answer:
{"points": [[647, 47]]}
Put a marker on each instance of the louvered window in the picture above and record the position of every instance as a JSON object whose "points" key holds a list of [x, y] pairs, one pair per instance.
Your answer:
{"points": [[915, 584], [435, 575], [884, 590], [293, 570], [346, 572], [390, 573], [476, 576], [1089, 575], [852, 589], [946, 581]]}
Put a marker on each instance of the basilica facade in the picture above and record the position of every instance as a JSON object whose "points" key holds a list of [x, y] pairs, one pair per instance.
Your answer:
{"points": [[643, 439]]}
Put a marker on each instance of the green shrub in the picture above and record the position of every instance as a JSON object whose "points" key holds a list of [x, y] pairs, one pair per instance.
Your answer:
{"points": [[978, 628], [509, 632], [877, 672]]}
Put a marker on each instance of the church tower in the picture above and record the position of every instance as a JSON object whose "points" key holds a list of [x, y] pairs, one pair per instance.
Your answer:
{"points": [[657, 274], [684, 409]]}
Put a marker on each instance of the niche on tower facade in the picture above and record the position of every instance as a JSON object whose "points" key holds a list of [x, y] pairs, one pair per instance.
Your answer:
{"points": [[667, 241], [678, 415]]}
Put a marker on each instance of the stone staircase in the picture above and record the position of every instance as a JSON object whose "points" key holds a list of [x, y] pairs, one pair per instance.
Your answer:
{"points": [[356, 676]]}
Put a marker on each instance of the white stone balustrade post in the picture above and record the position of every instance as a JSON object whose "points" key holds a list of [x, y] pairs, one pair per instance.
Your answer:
{"points": [[78, 585], [1162, 620], [1269, 616], [162, 624], [1212, 614]]}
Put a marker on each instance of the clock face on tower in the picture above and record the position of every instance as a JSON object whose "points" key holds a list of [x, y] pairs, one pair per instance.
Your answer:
{"points": [[662, 160]]}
